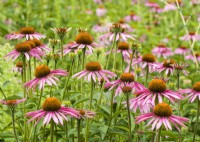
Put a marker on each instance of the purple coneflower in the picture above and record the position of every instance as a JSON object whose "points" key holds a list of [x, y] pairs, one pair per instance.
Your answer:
{"points": [[27, 32], [24, 49], [43, 75], [167, 66], [156, 91], [182, 50], [191, 57], [101, 11], [132, 17], [18, 67], [169, 7], [126, 79], [12, 103], [162, 115], [180, 68], [118, 30], [125, 49], [40, 46], [52, 110], [162, 51], [94, 71], [86, 114], [68, 48], [151, 4], [191, 36]]}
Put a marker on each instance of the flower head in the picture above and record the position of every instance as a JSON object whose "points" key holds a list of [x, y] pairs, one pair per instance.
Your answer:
{"points": [[94, 70], [52, 110], [12, 103], [182, 50], [191, 36], [86, 114], [180, 68], [162, 115], [61, 32], [167, 66], [162, 51], [44, 75]]}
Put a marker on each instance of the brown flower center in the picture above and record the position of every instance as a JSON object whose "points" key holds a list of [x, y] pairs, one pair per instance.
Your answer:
{"points": [[11, 102], [157, 86], [161, 46], [27, 30], [168, 63], [183, 47], [31, 43], [150, 58], [126, 89], [197, 54], [192, 33], [123, 46], [163, 109], [37, 42], [19, 64], [41, 71], [196, 86], [93, 66], [127, 77], [84, 38], [82, 112], [23, 47], [51, 104], [121, 21]]}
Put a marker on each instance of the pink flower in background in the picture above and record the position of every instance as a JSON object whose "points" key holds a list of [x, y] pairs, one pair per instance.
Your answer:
{"points": [[191, 57], [167, 66], [26, 32], [68, 48], [132, 17], [86, 114], [99, 28], [12, 102], [162, 51], [157, 9], [43, 75], [182, 50], [52, 111], [151, 4], [93, 72], [126, 79], [169, 7], [101, 11], [162, 115], [157, 89], [40, 46], [191, 36], [193, 93]]}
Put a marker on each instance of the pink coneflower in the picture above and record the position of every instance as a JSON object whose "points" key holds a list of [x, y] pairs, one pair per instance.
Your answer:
{"points": [[12, 103], [26, 50], [182, 50], [52, 110], [43, 75], [167, 66], [195, 2], [193, 93], [125, 49], [84, 40], [151, 4], [68, 48], [157, 9], [94, 71], [191, 36], [40, 46], [126, 79], [99, 28], [132, 17], [162, 115], [146, 61], [169, 7], [180, 68], [138, 104], [191, 57], [86, 114], [119, 30], [101, 11], [27, 32], [18, 67], [157, 90], [162, 51]]}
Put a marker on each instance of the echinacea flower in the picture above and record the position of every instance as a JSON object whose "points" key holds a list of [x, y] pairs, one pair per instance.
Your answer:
{"points": [[180, 68], [119, 31], [24, 49], [43, 75], [157, 89], [86, 114], [40, 46], [99, 28], [27, 32], [162, 115], [61, 32], [182, 50], [191, 57], [126, 79], [167, 66], [125, 49], [52, 110], [83, 41], [94, 71], [193, 93], [68, 48], [162, 51], [191, 36], [12, 103], [169, 7], [101, 11], [151, 4], [132, 17], [146, 61], [18, 67]]}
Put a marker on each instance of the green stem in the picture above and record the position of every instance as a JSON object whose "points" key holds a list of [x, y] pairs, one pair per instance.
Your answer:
{"points": [[29, 68], [147, 75], [178, 80], [51, 130], [113, 45], [197, 120], [129, 116], [158, 135], [40, 99], [115, 59], [13, 122], [61, 48], [3, 94], [79, 129], [111, 106]]}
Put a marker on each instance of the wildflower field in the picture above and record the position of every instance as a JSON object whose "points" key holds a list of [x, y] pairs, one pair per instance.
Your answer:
{"points": [[99, 71]]}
